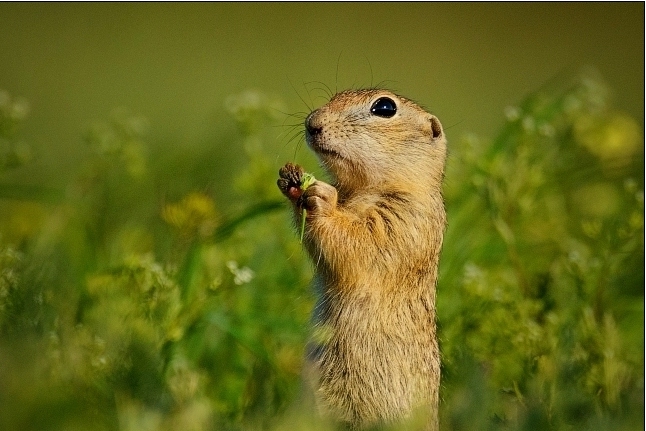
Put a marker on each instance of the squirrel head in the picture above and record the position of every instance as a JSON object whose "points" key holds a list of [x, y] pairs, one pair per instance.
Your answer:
{"points": [[375, 138]]}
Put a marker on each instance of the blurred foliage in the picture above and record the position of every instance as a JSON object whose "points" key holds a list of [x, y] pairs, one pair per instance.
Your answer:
{"points": [[13, 111], [123, 309], [541, 291]]}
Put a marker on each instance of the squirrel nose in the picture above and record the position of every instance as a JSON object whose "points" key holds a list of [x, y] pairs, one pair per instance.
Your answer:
{"points": [[310, 126]]}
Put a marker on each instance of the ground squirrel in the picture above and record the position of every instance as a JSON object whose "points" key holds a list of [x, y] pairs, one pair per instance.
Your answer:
{"points": [[374, 236]]}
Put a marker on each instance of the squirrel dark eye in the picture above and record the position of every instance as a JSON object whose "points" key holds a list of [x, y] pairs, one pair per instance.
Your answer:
{"points": [[384, 107]]}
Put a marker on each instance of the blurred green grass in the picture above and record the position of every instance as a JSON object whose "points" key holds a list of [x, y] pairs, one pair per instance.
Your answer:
{"points": [[136, 298]]}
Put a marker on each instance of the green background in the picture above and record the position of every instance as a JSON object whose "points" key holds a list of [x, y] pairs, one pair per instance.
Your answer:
{"points": [[175, 63]]}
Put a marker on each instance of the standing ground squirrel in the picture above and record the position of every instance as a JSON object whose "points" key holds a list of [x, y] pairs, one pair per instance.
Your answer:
{"points": [[374, 237]]}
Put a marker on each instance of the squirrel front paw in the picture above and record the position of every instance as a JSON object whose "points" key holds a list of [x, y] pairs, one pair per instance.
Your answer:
{"points": [[319, 199], [289, 181]]}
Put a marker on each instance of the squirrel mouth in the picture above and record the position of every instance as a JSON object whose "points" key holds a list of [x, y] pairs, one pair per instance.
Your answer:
{"points": [[314, 136], [317, 144]]}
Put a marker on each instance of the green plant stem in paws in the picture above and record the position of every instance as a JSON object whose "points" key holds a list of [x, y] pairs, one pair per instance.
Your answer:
{"points": [[303, 223], [306, 181]]}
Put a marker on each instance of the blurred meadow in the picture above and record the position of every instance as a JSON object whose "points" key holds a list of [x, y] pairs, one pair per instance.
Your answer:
{"points": [[150, 278]]}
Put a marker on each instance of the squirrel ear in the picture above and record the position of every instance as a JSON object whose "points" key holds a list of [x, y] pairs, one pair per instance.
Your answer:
{"points": [[436, 128]]}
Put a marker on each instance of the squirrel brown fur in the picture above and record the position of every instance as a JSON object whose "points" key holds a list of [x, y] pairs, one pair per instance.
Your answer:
{"points": [[374, 236]]}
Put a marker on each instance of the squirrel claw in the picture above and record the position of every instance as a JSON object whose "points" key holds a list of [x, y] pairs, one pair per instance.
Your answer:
{"points": [[289, 182], [320, 198]]}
